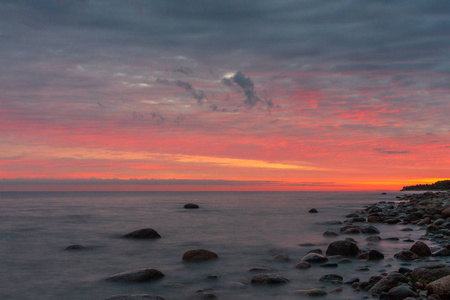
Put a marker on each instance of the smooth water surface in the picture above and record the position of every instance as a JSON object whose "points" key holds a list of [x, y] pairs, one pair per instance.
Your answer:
{"points": [[246, 230]]}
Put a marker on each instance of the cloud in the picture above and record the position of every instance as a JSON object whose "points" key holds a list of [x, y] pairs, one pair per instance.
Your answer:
{"points": [[199, 95], [246, 85], [384, 151]]}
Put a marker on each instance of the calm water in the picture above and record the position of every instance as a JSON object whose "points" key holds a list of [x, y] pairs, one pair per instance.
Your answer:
{"points": [[246, 230]]}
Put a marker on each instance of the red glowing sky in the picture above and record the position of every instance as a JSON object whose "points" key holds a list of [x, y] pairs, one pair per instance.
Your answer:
{"points": [[115, 96]]}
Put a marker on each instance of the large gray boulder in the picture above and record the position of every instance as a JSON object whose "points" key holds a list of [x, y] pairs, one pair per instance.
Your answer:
{"points": [[342, 247], [136, 276], [431, 272], [421, 249]]}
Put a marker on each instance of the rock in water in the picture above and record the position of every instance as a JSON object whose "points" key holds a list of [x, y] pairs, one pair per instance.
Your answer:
{"points": [[313, 211], [406, 256], [269, 279], [343, 247], [387, 283], [314, 258], [75, 247], [199, 255], [191, 206], [136, 276], [302, 265], [334, 278], [145, 233], [401, 292], [431, 272], [421, 249], [440, 287]]}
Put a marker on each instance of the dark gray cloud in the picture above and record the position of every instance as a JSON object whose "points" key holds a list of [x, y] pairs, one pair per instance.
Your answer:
{"points": [[199, 95], [384, 151], [246, 85]]}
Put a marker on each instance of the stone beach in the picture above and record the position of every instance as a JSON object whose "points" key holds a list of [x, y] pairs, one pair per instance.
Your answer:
{"points": [[429, 279]]}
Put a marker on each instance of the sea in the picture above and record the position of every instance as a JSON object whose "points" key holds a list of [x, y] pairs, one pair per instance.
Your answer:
{"points": [[245, 229]]}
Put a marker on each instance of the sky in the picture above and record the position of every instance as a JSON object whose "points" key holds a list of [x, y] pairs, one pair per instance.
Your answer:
{"points": [[224, 95]]}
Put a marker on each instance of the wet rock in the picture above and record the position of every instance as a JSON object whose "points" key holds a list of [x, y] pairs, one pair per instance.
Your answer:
{"points": [[359, 220], [387, 283], [439, 287], [269, 279], [375, 255], [282, 257], [314, 258], [445, 213], [392, 239], [345, 261], [421, 249], [199, 255], [136, 276], [441, 252], [303, 265], [406, 229], [352, 231], [401, 292], [75, 248], [353, 280], [431, 272], [313, 211], [145, 233], [391, 221], [369, 229], [318, 251], [134, 297], [375, 219], [191, 206], [333, 278], [424, 222], [343, 247], [404, 270], [406, 256], [330, 234], [316, 292]]}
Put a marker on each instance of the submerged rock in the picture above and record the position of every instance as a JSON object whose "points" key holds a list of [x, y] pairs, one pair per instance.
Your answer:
{"points": [[199, 255], [334, 278], [75, 248], [136, 276], [421, 249], [302, 265], [145, 233], [191, 206], [343, 247], [269, 279], [282, 257], [314, 258], [387, 283], [330, 233]]}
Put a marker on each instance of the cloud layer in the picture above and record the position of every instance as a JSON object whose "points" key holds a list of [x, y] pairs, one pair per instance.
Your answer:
{"points": [[361, 90]]}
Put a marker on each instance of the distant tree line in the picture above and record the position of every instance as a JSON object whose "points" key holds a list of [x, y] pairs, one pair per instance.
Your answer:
{"points": [[443, 185]]}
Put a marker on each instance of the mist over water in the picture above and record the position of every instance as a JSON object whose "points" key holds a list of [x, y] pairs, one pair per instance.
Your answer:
{"points": [[246, 230]]}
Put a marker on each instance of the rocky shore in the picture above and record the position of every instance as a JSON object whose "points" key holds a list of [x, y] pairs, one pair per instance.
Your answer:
{"points": [[424, 271], [430, 279]]}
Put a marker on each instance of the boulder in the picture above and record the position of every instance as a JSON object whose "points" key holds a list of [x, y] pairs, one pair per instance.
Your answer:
{"points": [[191, 206], [421, 249], [387, 283], [375, 255], [314, 258], [269, 279], [369, 229], [145, 233], [342, 247], [330, 233], [431, 272], [406, 256], [446, 212], [401, 292], [136, 276], [334, 278], [199, 255], [282, 257], [302, 265], [439, 287]]}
